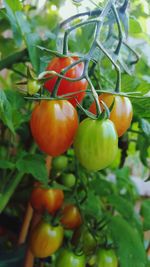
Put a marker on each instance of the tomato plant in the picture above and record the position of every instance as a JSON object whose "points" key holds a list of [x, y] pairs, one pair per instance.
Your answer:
{"points": [[121, 113], [96, 143], [106, 258], [45, 239], [49, 200], [60, 163], [53, 126], [71, 217], [65, 87], [70, 259]]}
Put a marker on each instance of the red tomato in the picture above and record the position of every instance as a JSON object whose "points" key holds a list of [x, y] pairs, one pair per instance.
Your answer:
{"points": [[46, 199], [71, 217], [53, 126], [121, 114], [65, 87]]}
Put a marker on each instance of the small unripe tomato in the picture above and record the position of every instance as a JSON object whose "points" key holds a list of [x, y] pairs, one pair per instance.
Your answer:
{"points": [[45, 239], [32, 86], [68, 179], [60, 163], [67, 258], [106, 258]]}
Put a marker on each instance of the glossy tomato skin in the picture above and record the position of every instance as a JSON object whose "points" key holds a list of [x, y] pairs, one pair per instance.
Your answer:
{"points": [[67, 258], [71, 217], [65, 87], [45, 239], [49, 200], [96, 143], [106, 258], [121, 114], [53, 125]]}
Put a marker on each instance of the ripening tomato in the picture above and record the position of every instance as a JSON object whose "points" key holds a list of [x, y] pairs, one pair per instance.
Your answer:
{"points": [[121, 113], [71, 217], [67, 258], [53, 126], [96, 143], [45, 239], [65, 87], [49, 200], [106, 258]]}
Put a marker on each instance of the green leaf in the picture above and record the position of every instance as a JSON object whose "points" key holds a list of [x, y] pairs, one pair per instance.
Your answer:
{"points": [[142, 145], [101, 186], [34, 165], [129, 246], [145, 212], [126, 209], [141, 107], [32, 40], [4, 164], [92, 206], [145, 125], [11, 8], [135, 26], [6, 111]]}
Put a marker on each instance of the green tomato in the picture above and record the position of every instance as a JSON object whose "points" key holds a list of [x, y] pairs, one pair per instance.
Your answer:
{"points": [[67, 258], [32, 86], [60, 163], [106, 258], [96, 143], [86, 239], [68, 179]]}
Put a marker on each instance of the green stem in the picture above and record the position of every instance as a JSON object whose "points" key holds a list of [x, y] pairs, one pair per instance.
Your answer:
{"points": [[95, 96], [12, 59], [119, 30], [118, 82], [6, 195]]}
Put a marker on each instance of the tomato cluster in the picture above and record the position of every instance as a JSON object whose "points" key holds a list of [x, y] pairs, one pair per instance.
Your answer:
{"points": [[54, 124], [55, 127]]}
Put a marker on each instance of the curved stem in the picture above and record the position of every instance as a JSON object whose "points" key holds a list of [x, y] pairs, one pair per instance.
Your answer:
{"points": [[119, 30], [95, 96], [118, 82]]}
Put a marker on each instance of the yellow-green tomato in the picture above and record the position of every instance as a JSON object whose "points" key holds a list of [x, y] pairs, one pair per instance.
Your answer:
{"points": [[106, 258], [96, 143], [67, 258], [32, 86], [45, 239]]}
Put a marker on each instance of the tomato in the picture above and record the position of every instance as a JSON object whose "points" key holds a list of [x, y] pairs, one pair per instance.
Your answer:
{"points": [[45, 239], [71, 217], [68, 179], [65, 87], [32, 87], [121, 114], [60, 163], [53, 126], [86, 239], [96, 144], [67, 258], [46, 199], [106, 258]]}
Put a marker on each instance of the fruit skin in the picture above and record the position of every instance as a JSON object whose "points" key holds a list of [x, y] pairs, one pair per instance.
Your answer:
{"points": [[67, 258], [71, 217], [60, 163], [53, 125], [45, 239], [121, 114], [32, 87], [49, 200], [86, 239], [106, 258], [68, 179], [96, 143], [65, 87]]}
